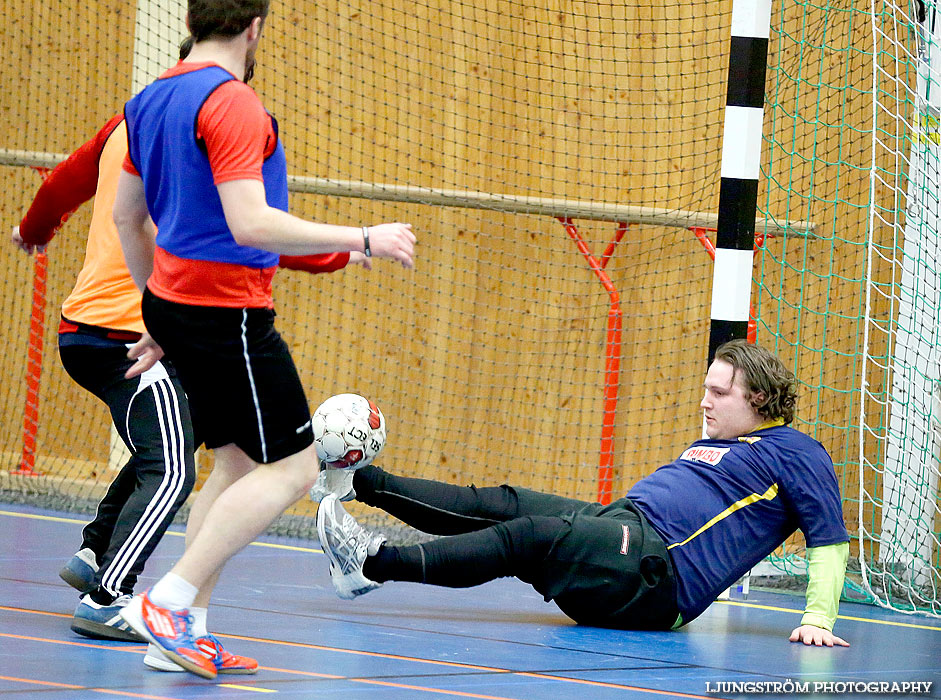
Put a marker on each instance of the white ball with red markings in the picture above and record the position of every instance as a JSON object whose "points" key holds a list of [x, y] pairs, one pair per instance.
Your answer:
{"points": [[349, 431]]}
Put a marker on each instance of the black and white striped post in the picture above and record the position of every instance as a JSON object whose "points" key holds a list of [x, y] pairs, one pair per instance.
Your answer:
{"points": [[738, 192], [741, 156]]}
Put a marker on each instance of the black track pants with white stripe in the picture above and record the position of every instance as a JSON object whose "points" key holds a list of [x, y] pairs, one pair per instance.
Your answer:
{"points": [[151, 414]]}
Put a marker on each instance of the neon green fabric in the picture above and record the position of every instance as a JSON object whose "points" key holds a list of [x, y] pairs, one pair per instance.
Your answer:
{"points": [[826, 567]]}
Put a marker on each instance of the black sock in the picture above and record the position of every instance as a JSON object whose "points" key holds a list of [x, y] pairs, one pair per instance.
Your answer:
{"points": [[432, 506], [101, 596], [518, 548], [396, 564]]}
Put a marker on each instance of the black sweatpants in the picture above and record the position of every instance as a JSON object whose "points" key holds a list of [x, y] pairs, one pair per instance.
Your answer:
{"points": [[602, 565], [152, 417]]}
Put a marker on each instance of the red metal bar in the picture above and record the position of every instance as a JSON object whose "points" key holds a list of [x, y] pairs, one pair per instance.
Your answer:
{"points": [[612, 355], [751, 334], [700, 234], [34, 352], [37, 323], [618, 235]]}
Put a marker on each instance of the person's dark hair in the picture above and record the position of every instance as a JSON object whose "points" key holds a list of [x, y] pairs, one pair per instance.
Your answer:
{"points": [[769, 385], [186, 47], [222, 19]]}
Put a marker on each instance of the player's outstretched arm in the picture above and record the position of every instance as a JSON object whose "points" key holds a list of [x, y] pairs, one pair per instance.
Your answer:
{"points": [[63, 189], [357, 258], [23, 245], [254, 223], [826, 567]]}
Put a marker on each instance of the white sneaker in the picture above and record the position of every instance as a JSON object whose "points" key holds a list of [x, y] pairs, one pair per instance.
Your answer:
{"points": [[346, 544], [156, 660], [336, 481]]}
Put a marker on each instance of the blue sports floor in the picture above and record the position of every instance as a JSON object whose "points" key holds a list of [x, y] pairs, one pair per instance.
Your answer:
{"points": [[499, 641]]}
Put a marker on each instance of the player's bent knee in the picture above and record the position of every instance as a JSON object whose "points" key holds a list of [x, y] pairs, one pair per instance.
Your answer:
{"points": [[310, 481], [300, 470]]}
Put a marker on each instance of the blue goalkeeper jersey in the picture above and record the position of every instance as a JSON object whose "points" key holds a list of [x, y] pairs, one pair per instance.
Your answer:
{"points": [[724, 505]]}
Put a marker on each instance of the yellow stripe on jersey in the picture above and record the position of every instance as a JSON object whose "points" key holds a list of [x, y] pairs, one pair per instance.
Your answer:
{"points": [[768, 495], [773, 423]]}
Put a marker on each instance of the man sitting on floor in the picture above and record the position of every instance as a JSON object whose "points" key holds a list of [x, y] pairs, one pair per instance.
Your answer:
{"points": [[654, 559]]}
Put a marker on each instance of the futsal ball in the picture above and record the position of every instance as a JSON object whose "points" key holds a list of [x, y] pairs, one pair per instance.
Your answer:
{"points": [[349, 431]]}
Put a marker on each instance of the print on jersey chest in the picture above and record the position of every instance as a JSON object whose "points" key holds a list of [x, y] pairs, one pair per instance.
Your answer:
{"points": [[705, 453]]}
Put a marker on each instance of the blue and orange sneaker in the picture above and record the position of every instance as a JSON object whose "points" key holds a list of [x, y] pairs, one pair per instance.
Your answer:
{"points": [[169, 631], [212, 648], [224, 661]]}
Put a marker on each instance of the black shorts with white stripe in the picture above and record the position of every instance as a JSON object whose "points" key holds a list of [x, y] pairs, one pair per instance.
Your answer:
{"points": [[238, 373]]}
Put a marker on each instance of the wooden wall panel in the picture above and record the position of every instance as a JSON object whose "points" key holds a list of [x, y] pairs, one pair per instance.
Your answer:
{"points": [[66, 71], [488, 358]]}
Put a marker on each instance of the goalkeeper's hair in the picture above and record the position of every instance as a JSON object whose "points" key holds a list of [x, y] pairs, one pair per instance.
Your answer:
{"points": [[222, 19], [769, 385]]}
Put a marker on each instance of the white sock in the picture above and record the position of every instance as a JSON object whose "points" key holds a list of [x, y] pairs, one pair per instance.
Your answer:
{"points": [[199, 622], [173, 592]]}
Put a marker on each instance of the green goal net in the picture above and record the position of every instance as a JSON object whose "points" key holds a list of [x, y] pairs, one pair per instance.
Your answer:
{"points": [[852, 144]]}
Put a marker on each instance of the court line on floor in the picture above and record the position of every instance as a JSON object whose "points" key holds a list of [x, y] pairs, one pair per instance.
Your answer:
{"points": [[464, 666], [273, 545], [138, 649], [669, 693], [174, 533], [70, 686], [246, 687], [774, 608], [381, 655]]}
